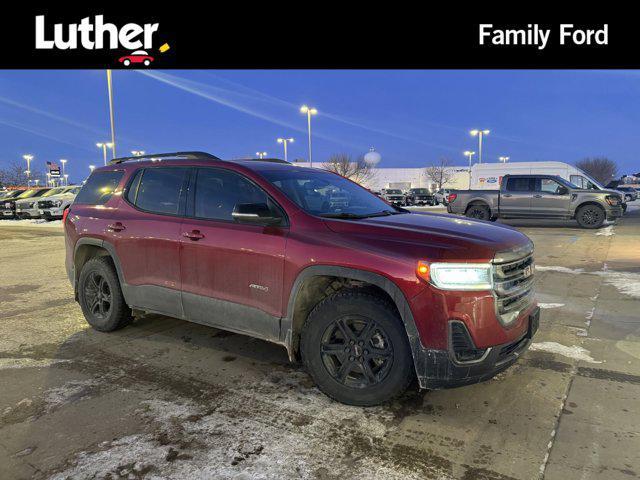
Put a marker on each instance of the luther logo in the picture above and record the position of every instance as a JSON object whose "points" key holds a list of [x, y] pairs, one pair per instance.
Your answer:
{"points": [[95, 34]]}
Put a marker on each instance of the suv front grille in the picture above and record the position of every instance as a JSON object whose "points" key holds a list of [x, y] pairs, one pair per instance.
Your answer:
{"points": [[513, 284]]}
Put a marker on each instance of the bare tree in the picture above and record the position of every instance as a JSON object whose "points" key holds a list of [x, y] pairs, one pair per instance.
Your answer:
{"points": [[14, 175], [600, 168], [358, 171], [440, 173]]}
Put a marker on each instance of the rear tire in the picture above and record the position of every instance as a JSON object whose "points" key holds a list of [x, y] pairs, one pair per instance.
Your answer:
{"points": [[355, 347], [590, 216], [479, 212], [100, 296]]}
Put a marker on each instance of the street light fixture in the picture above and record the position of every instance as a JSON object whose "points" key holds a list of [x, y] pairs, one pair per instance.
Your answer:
{"points": [[480, 134], [261, 154], [309, 111], [137, 153], [503, 159], [104, 146], [284, 142], [63, 161], [28, 158]]}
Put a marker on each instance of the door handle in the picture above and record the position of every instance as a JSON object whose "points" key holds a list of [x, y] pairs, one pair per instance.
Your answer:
{"points": [[193, 235], [506, 195], [537, 196], [116, 227]]}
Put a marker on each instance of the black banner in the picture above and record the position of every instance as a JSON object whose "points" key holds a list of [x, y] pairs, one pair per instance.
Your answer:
{"points": [[267, 36]]}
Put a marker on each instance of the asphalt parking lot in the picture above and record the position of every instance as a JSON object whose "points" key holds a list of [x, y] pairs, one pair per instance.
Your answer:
{"points": [[164, 398]]}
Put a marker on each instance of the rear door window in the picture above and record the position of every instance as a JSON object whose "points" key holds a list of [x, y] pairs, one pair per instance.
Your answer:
{"points": [[99, 188], [160, 190], [520, 185]]}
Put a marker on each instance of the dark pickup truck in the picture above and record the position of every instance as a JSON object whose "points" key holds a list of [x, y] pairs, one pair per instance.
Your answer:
{"points": [[538, 196]]}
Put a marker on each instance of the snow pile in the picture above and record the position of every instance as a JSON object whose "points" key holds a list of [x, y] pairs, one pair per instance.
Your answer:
{"points": [[575, 352], [606, 232], [550, 305], [30, 223]]}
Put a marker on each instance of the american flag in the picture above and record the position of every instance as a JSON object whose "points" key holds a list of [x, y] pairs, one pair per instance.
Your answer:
{"points": [[52, 166]]}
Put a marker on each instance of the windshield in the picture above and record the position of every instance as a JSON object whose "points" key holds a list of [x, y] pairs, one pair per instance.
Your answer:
{"points": [[55, 191], [327, 194], [27, 193], [394, 192], [420, 191]]}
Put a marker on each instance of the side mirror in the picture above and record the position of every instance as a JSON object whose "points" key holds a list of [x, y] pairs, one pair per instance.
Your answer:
{"points": [[255, 214], [563, 190]]}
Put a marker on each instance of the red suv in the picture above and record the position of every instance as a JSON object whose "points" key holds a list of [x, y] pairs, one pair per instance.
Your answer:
{"points": [[367, 295]]}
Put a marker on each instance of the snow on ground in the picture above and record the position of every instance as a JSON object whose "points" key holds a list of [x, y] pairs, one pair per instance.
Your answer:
{"points": [[550, 305], [606, 232], [6, 363], [574, 351], [34, 222], [291, 431], [625, 282], [559, 269]]}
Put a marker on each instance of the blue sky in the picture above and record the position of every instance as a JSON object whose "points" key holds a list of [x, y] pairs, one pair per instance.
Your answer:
{"points": [[411, 117]]}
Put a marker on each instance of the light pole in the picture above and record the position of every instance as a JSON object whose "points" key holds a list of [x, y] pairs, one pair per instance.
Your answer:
{"points": [[103, 146], [137, 153], [63, 161], [469, 154], [66, 179], [284, 142], [309, 111], [111, 114], [479, 134], [36, 181], [48, 179], [28, 158], [503, 159], [261, 154]]}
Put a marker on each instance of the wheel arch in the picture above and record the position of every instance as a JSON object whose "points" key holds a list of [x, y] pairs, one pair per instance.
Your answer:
{"points": [[304, 294], [477, 201], [89, 247]]}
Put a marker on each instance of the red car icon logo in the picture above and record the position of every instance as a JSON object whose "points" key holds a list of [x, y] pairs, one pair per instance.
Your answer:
{"points": [[139, 56]]}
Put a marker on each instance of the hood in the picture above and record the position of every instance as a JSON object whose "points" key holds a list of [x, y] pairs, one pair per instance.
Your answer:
{"points": [[445, 237], [59, 196]]}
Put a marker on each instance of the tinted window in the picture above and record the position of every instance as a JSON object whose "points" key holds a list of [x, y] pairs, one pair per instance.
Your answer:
{"points": [[549, 186], [132, 190], [99, 188], [160, 190], [218, 191], [519, 185]]}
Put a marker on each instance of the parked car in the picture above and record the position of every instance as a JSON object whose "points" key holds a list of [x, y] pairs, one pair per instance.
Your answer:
{"points": [[52, 205], [419, 196], [139, 56], [9, 205], [28, 208], [442, 196], [9, 194], [368, 296], [393, 196], [538, 196], [630, 194]]}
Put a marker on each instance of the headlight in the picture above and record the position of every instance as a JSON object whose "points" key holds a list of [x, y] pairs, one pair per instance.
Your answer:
{"points": [[457, 276], [613, 199]]}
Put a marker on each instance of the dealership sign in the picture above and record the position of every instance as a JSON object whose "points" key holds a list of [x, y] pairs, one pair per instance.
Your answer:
{"points": [[94, 34]]}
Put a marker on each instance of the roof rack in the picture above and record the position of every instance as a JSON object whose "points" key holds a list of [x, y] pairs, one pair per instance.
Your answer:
{"points": [[272, 160], [173, 155]]}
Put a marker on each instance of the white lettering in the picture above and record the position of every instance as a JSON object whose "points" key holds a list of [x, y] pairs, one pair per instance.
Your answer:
{"points": [[128, 33], [40, 41]]}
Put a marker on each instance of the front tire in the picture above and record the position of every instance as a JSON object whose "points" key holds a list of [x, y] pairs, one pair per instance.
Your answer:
{"points": [[590, 216], [100, 296], [355, 347]]}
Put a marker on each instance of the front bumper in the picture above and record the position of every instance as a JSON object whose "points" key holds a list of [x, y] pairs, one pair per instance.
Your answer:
{"points": [[28, 212], [614, 212], [439, 368], [52, 213], [8, 213]]}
